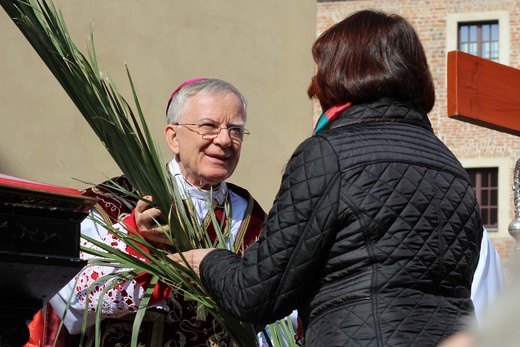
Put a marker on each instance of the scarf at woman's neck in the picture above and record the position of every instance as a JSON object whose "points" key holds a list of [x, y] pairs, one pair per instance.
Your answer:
{"points": [[329, 116]]}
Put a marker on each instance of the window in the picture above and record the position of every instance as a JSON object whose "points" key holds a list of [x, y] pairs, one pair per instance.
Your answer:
{"points": [[480, 39], [497, 47], [485, 184]]}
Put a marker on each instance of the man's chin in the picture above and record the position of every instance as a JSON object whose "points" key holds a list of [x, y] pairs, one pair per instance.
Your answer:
{"points": [[215, 178]]}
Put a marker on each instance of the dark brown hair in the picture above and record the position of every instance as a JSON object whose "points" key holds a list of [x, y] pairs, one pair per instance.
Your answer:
{"points": [[370, 55]]}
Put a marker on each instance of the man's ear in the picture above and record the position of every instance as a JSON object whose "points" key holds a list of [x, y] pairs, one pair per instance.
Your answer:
{"points": [[170, 134]]}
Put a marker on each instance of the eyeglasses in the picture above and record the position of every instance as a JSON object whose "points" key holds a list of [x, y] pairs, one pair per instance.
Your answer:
{"points": [[210, 131]]}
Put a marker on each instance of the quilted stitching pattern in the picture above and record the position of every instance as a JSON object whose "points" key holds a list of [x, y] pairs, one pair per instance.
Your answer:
{"points": [[373, 236]]}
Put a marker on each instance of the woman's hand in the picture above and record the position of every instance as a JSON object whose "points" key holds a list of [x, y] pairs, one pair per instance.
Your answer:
{"points": [[193, 258], [460, 339], [146, 221]]}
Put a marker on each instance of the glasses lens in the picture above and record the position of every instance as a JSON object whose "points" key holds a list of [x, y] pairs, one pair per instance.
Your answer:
{"points": [[208, 129], [244, 134], [236, 132]]}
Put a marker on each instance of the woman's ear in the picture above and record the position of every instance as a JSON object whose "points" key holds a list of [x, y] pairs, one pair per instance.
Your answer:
{"points": [[170, 134]]}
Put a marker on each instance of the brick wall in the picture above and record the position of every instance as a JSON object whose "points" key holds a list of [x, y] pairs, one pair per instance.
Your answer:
{"points": [[429, 19]]}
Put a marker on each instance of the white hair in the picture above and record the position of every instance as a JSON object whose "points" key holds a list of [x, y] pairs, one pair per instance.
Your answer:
{"points": [[175, 109]]}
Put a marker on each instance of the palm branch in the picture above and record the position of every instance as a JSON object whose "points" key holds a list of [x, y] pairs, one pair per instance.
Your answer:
{"points": [[124, 134]]}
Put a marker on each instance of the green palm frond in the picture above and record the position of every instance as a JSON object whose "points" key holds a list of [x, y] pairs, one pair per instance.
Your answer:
{"points": [[123, 132], [178, 277]]}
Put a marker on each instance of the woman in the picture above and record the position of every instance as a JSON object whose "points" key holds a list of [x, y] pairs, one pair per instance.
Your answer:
{"points": [[375, 232]]}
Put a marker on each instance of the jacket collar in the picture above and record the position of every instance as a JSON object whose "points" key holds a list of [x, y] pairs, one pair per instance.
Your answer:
{"points": [[383, 110]]}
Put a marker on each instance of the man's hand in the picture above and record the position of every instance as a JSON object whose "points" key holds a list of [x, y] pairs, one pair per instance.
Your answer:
{"points": [[146, 221]]}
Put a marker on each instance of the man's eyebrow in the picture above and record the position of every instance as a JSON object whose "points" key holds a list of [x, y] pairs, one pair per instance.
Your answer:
{"points": [[207, 118], [240, 123]]}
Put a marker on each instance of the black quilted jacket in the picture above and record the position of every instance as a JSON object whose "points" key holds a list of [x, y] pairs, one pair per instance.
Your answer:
{"points": [[374, 237]]}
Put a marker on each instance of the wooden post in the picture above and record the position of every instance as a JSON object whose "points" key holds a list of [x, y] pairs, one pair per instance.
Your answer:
{"points": [[483, 92], [486, 93]]}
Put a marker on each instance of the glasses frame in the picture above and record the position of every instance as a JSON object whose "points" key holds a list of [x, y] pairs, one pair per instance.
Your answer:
{"points": [[210, 136]]}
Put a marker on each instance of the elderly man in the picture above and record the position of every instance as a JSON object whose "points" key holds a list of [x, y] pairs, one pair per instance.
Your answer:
{"points": [[206, 127]]}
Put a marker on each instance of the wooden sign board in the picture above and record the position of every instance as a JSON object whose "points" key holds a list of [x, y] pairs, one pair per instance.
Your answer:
{"points": [[483, 92]]}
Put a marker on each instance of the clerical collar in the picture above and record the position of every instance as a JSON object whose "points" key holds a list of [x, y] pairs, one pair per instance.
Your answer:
{"points": [[218, 193]]}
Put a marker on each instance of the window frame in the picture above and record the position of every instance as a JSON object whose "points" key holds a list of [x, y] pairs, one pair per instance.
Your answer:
{"points": [[480, 39], [505, 194], [502, 17], [481, 190]]}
